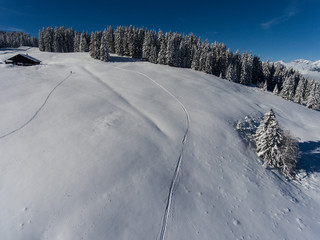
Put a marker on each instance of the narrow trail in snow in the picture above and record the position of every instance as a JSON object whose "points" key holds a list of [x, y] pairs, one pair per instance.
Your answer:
{"points": [[178, 166], [38, 110]]}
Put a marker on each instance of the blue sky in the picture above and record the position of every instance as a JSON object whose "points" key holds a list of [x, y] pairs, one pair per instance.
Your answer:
{"points": [[275, 30]]}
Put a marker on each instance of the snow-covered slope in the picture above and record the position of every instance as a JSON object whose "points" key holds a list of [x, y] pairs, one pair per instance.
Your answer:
{"points": [[306, 67], [133, 150]]}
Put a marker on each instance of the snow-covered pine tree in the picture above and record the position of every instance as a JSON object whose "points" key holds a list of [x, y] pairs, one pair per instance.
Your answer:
{"points": [[209, 62], [130, 40], [288, 88], [246, 68], [237, 66], [196, 56], [314, 97], [104, 49], [269, 137], [118, 41], [110, 39], [300, 91], [173, 50], [230, 75], [183, 57], [191, 41], [266, 73], [203, 56], [41, 40], [58, 40], [257, 74], [93, 46], [76, 42], [278, 149], [48, 39], [138, 42], [153, 54], [83, 43], [288, 158], [146, 47]]}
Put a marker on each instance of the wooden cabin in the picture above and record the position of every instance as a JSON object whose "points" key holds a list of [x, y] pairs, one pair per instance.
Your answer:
{"points": [[22, 60]]}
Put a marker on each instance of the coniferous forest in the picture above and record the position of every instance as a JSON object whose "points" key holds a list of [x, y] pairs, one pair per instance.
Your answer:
{"points": [[17, 39], [185, 51]]}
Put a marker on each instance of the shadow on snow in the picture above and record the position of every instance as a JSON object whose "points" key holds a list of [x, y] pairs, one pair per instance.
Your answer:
{"points": [[124, 59], [309, 157]]}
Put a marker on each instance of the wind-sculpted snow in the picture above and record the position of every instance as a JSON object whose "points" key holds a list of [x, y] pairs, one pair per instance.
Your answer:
{"points": [[110, 152]]}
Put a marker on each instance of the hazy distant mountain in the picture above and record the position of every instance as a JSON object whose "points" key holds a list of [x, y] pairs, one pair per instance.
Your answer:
{"points": [[306, 67]]}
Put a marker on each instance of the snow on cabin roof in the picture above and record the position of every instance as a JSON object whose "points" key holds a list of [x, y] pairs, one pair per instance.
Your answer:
{"points": [[31, 58], [26, 56]]}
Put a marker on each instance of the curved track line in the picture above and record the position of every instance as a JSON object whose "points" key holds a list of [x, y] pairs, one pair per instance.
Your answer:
{"points": [[178, 166], [36, 113]]}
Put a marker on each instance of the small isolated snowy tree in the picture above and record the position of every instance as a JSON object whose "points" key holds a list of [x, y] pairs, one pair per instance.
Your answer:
{"points": [[289, 155], [268, 139], [277, 148]]}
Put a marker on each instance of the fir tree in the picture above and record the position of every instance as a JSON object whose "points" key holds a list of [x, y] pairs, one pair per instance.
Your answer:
{"points": [[268, 139], [288, 88], [278, 149], [300, 91], [314, 97], [104, 49]]}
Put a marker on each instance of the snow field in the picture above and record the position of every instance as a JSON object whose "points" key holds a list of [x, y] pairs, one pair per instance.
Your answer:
{"points": [[97, 161]]}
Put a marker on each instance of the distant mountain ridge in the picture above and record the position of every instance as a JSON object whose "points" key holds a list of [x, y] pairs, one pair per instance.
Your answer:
{"points": [[306, 67]]}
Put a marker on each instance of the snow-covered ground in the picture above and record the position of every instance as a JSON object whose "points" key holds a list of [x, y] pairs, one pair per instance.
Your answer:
{"points": [[306, 67], [132, 150]]}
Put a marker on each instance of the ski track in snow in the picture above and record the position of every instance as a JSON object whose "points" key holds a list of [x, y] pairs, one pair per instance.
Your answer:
{"points": [[124, 101], [37, 112], [178, 166]]}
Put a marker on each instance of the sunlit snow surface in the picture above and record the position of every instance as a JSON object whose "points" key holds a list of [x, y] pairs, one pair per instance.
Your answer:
{"points": [[307, 68], [94, 157]]}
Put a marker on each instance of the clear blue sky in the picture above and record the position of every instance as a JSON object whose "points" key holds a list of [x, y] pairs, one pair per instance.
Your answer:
{"points": [[274, 29]]}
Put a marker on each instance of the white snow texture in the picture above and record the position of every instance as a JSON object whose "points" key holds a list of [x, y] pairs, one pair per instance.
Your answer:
{"points": [[132, 150]]}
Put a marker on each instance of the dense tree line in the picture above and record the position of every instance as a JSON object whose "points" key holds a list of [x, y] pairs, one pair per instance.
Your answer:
{"points": [[17, 39], [186, 51]]}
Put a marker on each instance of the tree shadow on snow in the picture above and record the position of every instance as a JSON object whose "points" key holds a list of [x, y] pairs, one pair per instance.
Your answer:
{"points": [[309, 157], [124, 59]]}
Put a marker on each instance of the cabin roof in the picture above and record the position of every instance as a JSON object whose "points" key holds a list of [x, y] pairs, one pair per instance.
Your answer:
{"points": [[20, 55]]}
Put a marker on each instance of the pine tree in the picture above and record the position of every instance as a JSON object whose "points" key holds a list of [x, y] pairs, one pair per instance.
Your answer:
{"points": [[246, 69], [41, 40], [288, 88], [268, 139], [196, 56], [93, 46], [257, 74], [278, 149], [118, 41], [110, 39], [76, 43], [83, 42], [288, 159], [314, 97], [104, 49], [300, 91], [237, 66], [230, 74]]}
